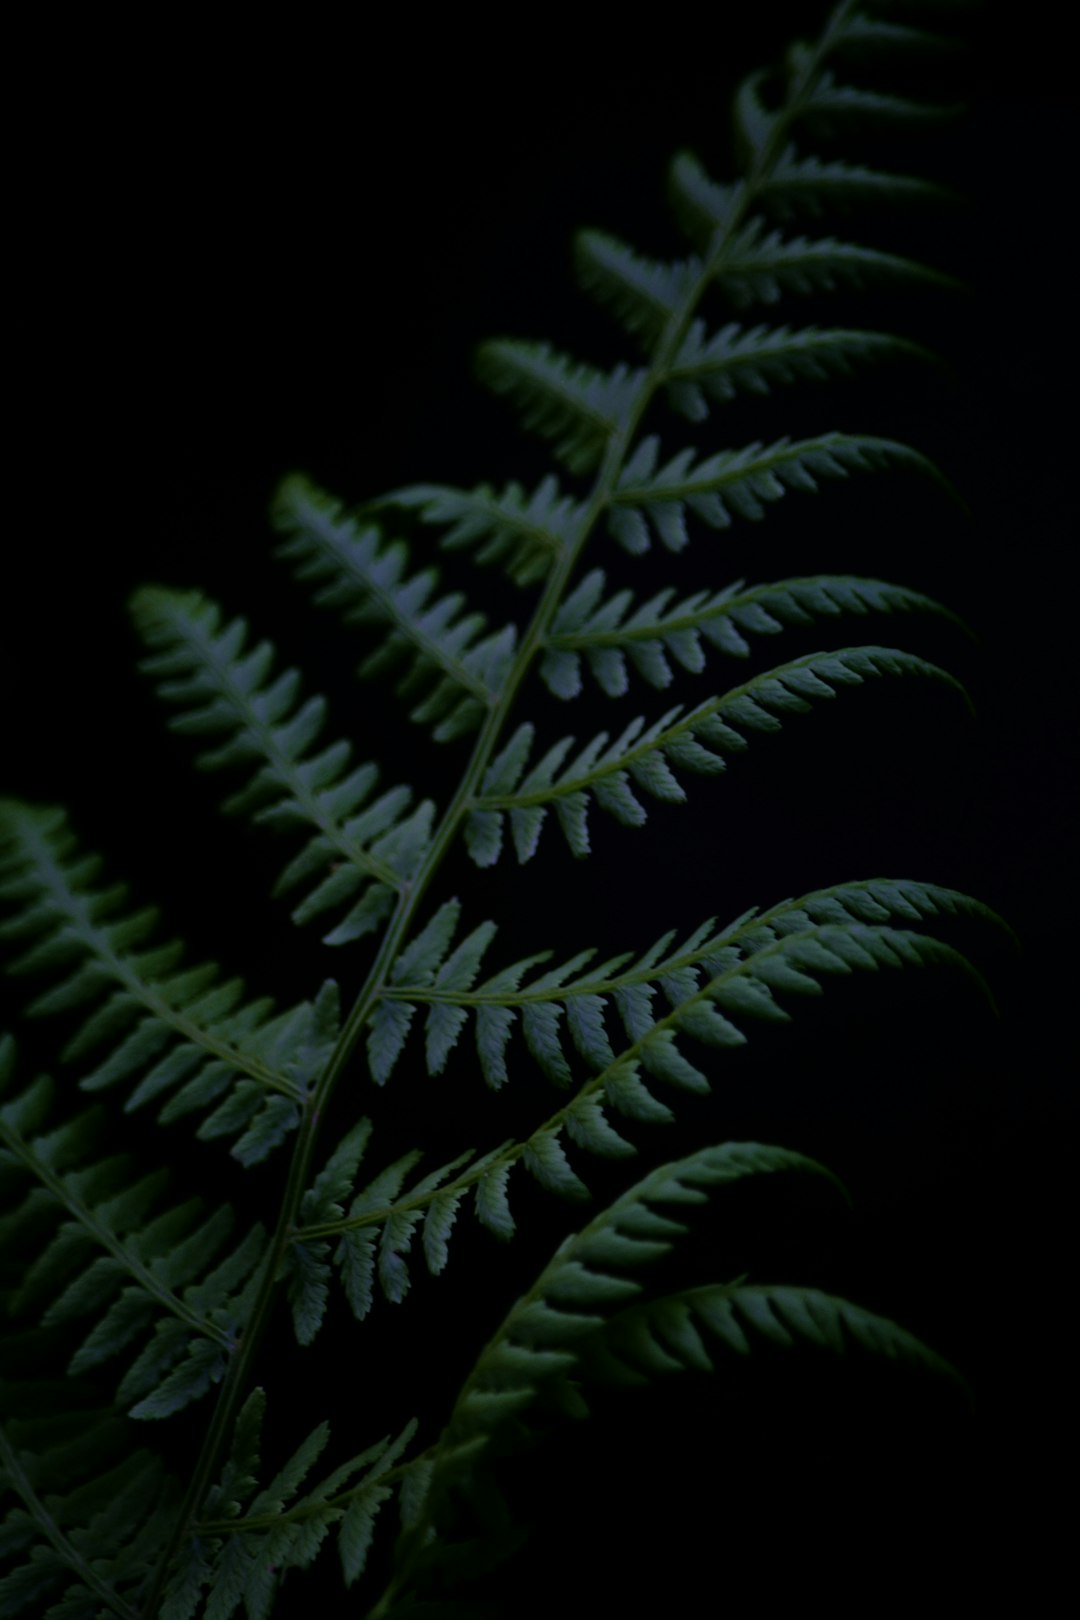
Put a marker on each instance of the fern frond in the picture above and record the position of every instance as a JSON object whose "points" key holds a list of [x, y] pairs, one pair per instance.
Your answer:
{"points": [[669, 1334], [614, 635], [92, 1512], [870, 900], [755, 263], [118, 1270], [744, 986], [815, 186], [756, 359], [576, 1319], [578, 995], [761, 265], [361, 851], [429, 975], [459, 669], [830, 99], [696, 742], [102, 1250], [168, 1028], [525, 533], [713, 983], [576, 406], [583, 1283], [249, 1538], [737, 483]]}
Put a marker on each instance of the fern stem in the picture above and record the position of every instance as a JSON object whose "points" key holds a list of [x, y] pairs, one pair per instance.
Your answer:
{"points": [[468, 790]]}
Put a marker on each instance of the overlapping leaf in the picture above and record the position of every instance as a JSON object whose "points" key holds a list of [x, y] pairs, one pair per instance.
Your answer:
{"points": [[153, 1277], [181, 1034], [449, 659], [643, 756], [360, 851], [583, 1316], [613, 636], [544, 1332]]}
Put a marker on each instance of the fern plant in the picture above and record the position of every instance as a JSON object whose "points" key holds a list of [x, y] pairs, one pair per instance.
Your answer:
{"points": [[133, 1295]]}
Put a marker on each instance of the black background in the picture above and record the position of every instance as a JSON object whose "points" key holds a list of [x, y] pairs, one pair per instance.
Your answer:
{"points": [[240, 257]]}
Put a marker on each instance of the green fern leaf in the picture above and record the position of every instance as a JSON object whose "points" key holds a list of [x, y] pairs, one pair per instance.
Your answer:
{"points": [[180, 1032], [737, 483], [109, 1258], [114, 1264], [253, 1538], [358, 852], [624, 986], [614, 635], [644, 294], [364, 578], [813, 186], [756, 359], [574, 405], [551, 1329], [668, 1334], [830, 99], [696, 741], [525, 533], [761, 265]]}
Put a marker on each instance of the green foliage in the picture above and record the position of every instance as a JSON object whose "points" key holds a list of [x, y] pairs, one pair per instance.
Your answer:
{"points": [[110, 1259]]}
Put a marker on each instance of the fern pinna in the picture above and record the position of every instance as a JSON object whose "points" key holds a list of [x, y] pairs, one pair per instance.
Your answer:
{"points": [[131, 1297]]}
